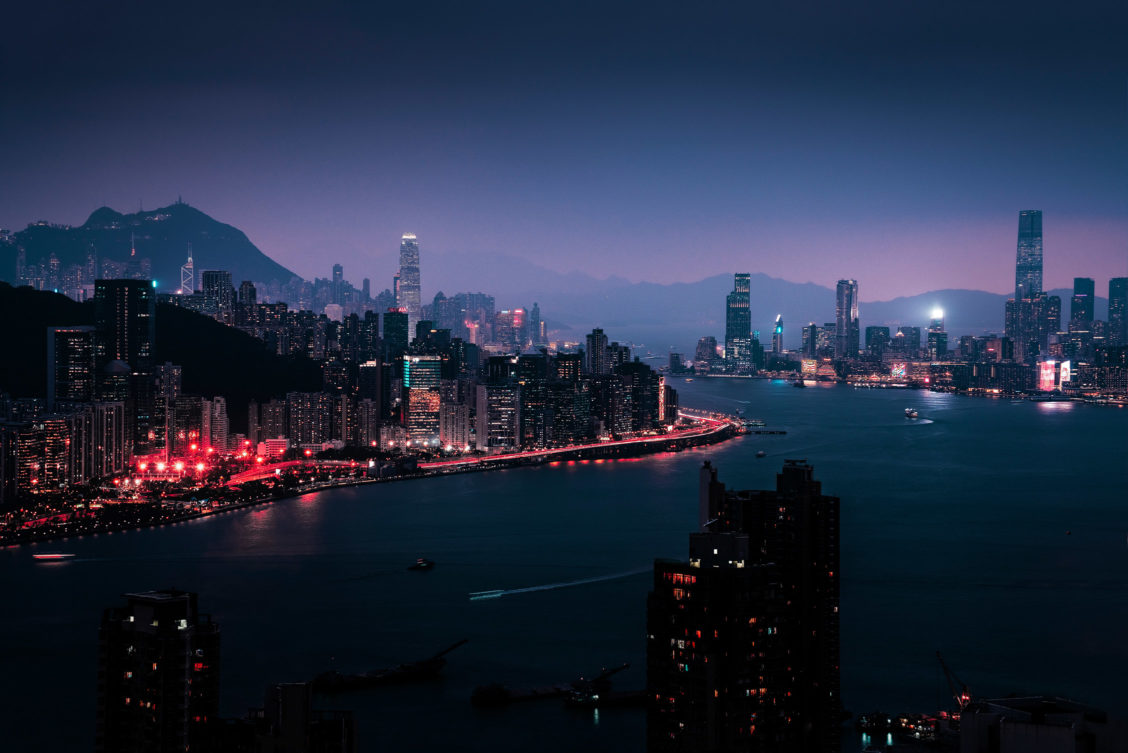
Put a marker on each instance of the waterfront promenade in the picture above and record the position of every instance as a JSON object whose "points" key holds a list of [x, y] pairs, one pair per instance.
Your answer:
{"points": [[249, 488]]}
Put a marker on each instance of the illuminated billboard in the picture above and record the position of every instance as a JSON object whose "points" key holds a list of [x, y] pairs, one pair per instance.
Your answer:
{"points": [[1066, 372], [898, 371], [1047, 376], [810, 366]]}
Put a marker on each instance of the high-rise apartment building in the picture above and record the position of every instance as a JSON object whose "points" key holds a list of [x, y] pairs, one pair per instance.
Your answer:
{"points": [[847, 325], [596, 353], [70, 365], [738, 326], [219, 295], [777, 336], [408, 292], [158, 675], [499, 417], [743, 644]]}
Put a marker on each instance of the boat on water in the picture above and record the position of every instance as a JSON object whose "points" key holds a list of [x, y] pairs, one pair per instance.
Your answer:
{"points": [[688, 379], [798, 383], [53, 556], [422, 564], [911, 413], [416, 671], [761, 454]]}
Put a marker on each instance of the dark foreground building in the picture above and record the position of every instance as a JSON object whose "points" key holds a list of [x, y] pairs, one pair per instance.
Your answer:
{"points": [[742, 651], [158, 675]]}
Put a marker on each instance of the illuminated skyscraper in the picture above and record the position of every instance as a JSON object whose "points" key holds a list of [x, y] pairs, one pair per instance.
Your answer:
{"points": [[1028, 265], [408, 290], [937, 337], [847, 326], [777, 336], [738, 326], [1118, 311], [421, 378], [70, 364], [1028, 311]]}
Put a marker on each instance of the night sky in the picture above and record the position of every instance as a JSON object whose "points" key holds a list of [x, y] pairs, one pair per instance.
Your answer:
{"points": [[894, 142]]}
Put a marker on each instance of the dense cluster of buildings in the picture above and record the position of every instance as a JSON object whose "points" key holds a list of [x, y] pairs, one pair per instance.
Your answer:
{"points": [[1035, 352], [455, 376]]}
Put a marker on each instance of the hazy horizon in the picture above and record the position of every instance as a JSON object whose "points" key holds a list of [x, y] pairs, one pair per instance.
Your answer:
{"points": [[890, 143]]}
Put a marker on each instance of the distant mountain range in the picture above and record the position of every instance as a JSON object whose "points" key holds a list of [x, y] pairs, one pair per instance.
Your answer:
{"points": [[162, 236], [674, 316], [659, 317]]}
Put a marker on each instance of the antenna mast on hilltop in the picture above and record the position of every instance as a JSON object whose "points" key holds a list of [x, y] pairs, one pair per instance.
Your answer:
{"points": [[188, 275]]}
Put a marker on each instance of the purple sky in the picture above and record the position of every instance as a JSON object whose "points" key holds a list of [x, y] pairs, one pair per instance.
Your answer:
{"points": [[893, 143]]}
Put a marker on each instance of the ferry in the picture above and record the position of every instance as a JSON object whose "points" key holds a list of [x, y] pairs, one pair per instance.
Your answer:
{"points": [[911, 413], [52, 556], [422, 564]]}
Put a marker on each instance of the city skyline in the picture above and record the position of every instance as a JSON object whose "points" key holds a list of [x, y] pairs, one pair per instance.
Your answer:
{"points": [[690, 143]]}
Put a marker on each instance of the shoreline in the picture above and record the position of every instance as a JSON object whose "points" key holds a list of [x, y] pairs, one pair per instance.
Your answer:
{"points": [[721, 432]]}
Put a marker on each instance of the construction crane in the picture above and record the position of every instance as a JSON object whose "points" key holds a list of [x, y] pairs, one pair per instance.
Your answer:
{"points": [[958, 687]]}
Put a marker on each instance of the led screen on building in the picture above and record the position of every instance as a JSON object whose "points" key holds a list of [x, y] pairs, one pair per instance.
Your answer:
{"points": [[1047, 376]]}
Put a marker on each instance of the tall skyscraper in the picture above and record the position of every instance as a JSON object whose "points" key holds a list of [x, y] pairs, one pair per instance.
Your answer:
{"points": [[337, 289], [1029, 312], [125, 323], [1082, 302], [408, 293], [188, 275], [743, 646], [421, 378], [847, 326], [1118, 311], [70, 365], [738, 326], [395, 333], [1028, 265], [777, 336], [937, 337], [158, 675]]}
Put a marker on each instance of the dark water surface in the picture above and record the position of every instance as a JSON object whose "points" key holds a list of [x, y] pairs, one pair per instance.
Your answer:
{"points": [[954, 537]]}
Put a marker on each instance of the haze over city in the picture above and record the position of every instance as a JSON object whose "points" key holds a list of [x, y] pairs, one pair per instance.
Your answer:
{"points": [[666, 144]]}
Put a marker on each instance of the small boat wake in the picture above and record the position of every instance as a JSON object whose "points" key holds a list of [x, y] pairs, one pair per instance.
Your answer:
{"points": [[498, 593]]}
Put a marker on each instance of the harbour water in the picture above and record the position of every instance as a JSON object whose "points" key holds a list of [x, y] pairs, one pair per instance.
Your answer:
{"points": [[993, 530]]}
